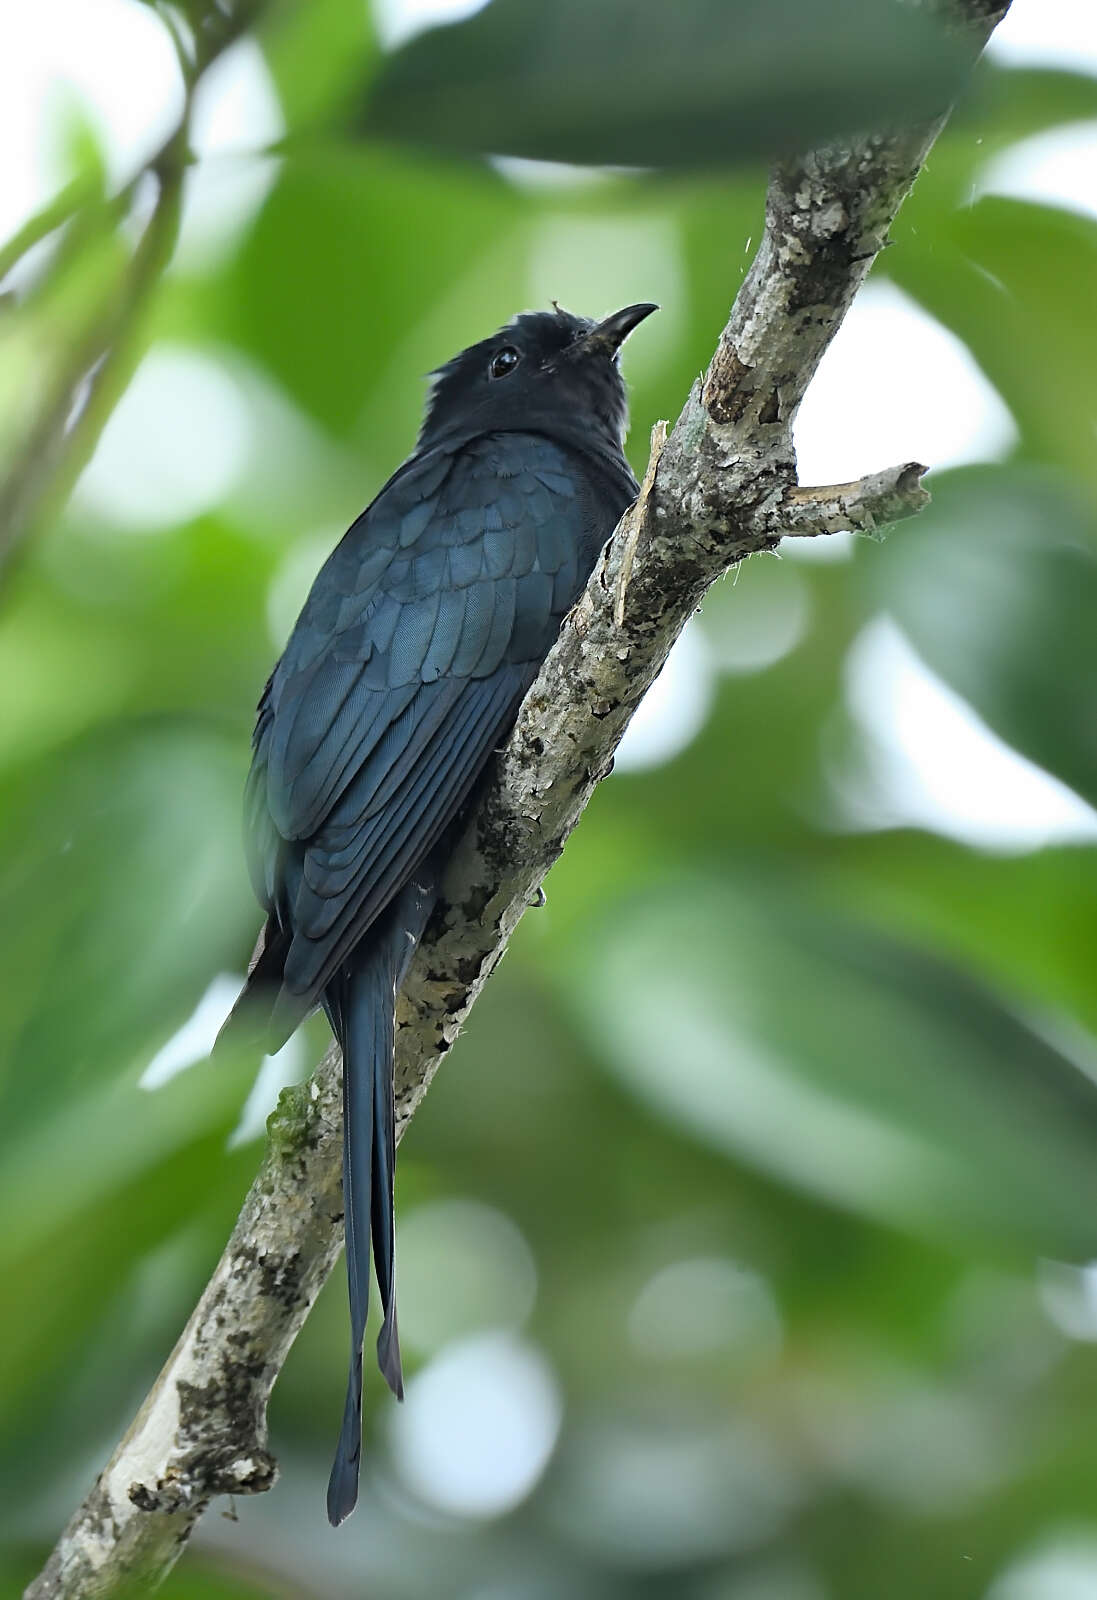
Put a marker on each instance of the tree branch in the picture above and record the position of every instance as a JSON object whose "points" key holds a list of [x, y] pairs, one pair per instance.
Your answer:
{"points": [[719, 487], [865, 506]]}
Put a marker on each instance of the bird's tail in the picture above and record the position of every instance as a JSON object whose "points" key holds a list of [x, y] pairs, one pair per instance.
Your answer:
{"points": [[361, 1006], [249, 1025]]}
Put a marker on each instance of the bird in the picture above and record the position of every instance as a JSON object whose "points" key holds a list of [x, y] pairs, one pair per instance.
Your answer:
{"points": [[403, 674]]}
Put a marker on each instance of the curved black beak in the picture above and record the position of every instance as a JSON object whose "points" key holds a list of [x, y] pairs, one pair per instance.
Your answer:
{"points": [[610, 334]]}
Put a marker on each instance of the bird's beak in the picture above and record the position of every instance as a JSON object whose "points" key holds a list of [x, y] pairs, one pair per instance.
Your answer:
{"points": [[610, 334]]}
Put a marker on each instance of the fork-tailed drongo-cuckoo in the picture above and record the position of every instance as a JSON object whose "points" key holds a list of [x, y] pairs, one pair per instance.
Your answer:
{"points": [[404, 672]]}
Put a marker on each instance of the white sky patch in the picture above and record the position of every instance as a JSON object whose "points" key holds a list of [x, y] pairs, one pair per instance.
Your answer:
{"points": [[551, 175], [115, 58], [1047, 33], [194, 1040], [674, 709], [176, 445], [236, 116], [1057, 168], [940, 766], [478, 1426], [235, 107], [399, 20], [827, 547], [1062, 1567], [1068, 1295], [895, 386]]}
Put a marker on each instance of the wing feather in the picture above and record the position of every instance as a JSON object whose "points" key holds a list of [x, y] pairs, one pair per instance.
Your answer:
{"points": [[424, 629]]}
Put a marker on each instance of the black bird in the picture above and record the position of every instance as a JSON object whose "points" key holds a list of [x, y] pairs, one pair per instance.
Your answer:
{"points": [[404, 672]]}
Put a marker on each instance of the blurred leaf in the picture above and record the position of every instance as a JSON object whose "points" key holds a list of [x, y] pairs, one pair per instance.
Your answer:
{"points": [[845, 1063], [110, 627], [198, 1582], [639, 83], [1026, 924], [997, 590], [41, 339], [758, 755], [1015, 281], [1002, 105], [318, 54], [66, 1277], [373, 223], [120, 885], [96, 1143]]}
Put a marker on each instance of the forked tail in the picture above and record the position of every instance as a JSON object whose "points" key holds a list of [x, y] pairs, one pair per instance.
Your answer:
{"points": [[361, 1006]]}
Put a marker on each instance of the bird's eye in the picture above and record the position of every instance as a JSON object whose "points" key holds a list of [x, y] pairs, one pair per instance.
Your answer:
{"points": [[504, 361]]}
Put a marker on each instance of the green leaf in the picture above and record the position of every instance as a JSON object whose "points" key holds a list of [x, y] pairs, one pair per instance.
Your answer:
{"points": [[67, 1275], [317, 54], [392, 245], [640, 83], [1001, 107], [1005, 104], [1026, 923], [996, 587], [847, 1064], [122, 893]]}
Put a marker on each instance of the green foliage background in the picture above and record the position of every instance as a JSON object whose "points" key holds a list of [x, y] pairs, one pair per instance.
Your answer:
{"points": [[853, 1068]]}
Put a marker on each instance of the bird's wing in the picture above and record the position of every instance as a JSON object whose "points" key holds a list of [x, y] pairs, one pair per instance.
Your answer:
{"points": [[420, 636]]}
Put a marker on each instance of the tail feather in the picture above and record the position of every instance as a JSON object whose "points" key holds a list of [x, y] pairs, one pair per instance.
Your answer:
{"points": [[384, 1231], [361, 1005], [250, 1022], [366, 1009]]}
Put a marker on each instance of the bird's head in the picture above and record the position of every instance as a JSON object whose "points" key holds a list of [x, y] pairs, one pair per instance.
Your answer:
{"points": [[546, 371]]}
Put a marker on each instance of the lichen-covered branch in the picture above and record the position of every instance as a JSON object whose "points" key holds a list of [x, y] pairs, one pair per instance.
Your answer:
{"points": [[202, 1428], [869, 504], [720, 485]]}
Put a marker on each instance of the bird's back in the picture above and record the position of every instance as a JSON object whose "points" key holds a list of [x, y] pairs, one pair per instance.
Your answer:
{"points": [[419, 637]]}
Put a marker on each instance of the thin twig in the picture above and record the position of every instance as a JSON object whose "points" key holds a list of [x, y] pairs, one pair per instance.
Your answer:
{"points": [[98, 369], [866, 506], [53, 215]]}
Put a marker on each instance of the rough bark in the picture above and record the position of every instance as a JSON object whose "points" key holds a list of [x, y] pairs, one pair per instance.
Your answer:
{"points": [[721, 485]]}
